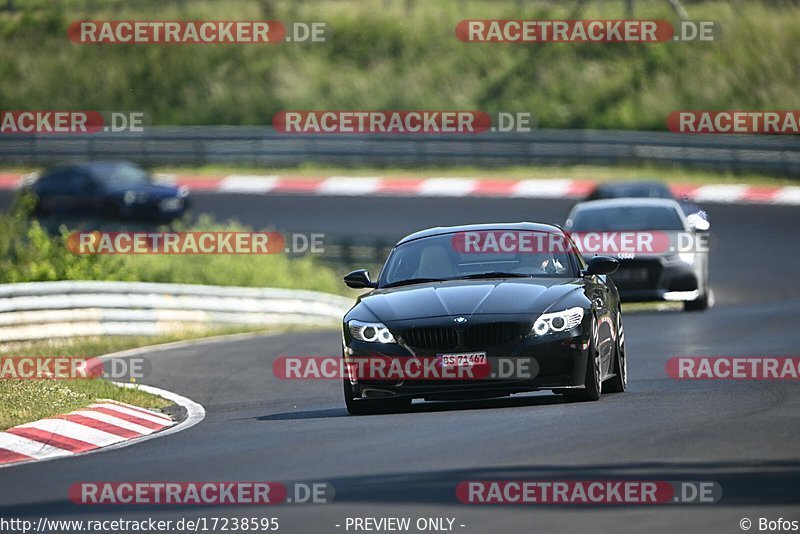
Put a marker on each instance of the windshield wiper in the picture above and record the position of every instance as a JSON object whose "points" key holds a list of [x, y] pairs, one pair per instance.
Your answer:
{"points": [[493, 274], [414, 281]]}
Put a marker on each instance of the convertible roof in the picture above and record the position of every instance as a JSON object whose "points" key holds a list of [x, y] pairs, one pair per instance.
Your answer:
{"points": [[520, 226]]}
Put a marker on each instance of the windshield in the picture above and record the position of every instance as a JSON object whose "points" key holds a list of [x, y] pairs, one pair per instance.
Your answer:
{"points": [[485, 254], [636, 191], [626, 218], [121, 174]]}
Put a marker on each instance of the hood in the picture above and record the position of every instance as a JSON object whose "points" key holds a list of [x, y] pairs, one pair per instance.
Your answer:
{"points": [[467, 297]]}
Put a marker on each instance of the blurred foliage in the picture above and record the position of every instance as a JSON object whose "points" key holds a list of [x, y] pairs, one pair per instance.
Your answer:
{"points": [[401, 54], [29, 254]]}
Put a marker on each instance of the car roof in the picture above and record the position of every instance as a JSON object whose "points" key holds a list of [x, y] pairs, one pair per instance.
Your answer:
{"points": [[520, 226], [89, 165], [611, 203]]}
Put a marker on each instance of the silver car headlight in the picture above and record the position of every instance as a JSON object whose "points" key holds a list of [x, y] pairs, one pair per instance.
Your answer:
{"points": [[687, 258], [548, 323], [370, 332]]}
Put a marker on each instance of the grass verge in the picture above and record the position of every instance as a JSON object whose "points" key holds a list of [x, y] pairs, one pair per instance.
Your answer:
{"points": [[22, 401]]}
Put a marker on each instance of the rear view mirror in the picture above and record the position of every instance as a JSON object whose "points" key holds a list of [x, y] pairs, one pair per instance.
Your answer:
{"points": [[359, 279], [602, 265]]}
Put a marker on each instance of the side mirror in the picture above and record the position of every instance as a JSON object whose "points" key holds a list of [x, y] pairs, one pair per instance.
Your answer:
{"points": [[602, 265], [359, 279], [696, 223]]}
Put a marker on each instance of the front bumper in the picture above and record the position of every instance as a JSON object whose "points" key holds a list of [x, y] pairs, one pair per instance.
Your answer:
{"points": [[156, 209], [557, 361], [657, 279]]}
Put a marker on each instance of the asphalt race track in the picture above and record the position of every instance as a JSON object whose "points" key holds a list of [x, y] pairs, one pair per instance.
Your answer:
{"points": [[743, 435]]}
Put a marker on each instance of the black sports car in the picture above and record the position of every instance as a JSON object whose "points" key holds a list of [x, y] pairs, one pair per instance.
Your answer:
{"points": [[110, 190], [479, 296]]}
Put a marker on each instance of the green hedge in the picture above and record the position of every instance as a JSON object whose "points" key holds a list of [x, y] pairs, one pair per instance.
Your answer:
{"points": [[29, 254], [398, 54]]}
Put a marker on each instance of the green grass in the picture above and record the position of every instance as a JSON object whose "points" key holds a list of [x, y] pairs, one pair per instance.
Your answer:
{"points": [[88, 347], [644, 307], [23, 401], [400, 54]]}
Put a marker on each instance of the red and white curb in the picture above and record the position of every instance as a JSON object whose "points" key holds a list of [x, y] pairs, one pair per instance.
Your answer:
{"points": [[471, 187], [100, 426], [454, 187]]}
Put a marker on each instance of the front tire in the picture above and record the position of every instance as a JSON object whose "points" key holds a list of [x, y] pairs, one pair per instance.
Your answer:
{"points": [[704, 301], [619, 382], [593, 385], [701, 303]]}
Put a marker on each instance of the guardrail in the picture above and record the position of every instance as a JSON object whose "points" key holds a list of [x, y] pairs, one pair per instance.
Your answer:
{"points": [[42, 310], [263, 146]]}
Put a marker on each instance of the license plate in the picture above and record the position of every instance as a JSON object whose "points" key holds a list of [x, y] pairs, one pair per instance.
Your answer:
{"points": [[467, 359]]}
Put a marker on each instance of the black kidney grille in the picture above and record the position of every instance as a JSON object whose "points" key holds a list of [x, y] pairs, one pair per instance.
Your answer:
{"points": [[431, 337], [491, 334], [479, 336]]}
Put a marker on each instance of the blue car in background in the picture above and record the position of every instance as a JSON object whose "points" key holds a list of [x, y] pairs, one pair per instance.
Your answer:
{"points": [[108, 190]]}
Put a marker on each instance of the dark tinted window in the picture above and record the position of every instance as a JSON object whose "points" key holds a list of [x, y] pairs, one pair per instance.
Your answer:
{"points": [[78, 181], [626, 218], [633, 191], [448, 257], [124, 174]]}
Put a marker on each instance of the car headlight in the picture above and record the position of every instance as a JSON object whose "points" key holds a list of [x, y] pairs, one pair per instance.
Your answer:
{"points": [[370, 332], [134, 197], [561, 321]]}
